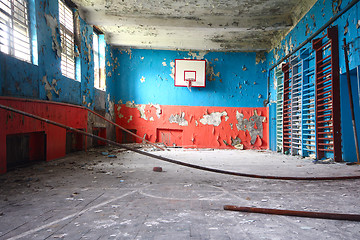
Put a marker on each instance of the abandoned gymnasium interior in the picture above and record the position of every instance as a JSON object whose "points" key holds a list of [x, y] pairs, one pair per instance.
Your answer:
{"points": [[186, 119]]}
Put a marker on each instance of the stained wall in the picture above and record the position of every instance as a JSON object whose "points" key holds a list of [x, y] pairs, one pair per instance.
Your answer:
{"points": [[229, 107], [42, 80], [349, 28]]}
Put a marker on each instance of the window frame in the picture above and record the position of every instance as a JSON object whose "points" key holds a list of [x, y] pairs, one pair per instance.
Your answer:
{"points": [[96, 60], [67, 36], [99, 60], [14, 16]]}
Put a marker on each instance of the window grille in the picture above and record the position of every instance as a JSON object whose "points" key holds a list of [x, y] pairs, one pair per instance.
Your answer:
{"points": [[99, 61], [96, 61], [67, 40], [14, 29]]}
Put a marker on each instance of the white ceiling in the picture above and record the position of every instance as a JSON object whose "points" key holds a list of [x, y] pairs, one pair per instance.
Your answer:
{"points": [[216, 25]]}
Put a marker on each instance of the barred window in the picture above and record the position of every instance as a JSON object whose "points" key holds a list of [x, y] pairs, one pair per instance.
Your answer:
{"points": [[14, 29], [99, 61], [96, 61], [67, 40]]}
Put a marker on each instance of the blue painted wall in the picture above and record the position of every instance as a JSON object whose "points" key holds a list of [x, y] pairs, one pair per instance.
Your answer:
{"points": [[349, 28], [317, 16], [233, 79], [349, 151], [22, 79]]}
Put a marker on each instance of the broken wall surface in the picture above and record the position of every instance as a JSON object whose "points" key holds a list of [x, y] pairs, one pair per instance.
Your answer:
{"points": [[15, 124], [148, 103], [349, 28], [42, 79]]}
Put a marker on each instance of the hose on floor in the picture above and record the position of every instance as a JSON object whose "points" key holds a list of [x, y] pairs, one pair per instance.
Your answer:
{"points": [[172, 160], [307, 214]]}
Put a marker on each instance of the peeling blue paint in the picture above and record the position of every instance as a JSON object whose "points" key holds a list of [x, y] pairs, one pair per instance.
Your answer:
{"points": [[22, 79], [317, 16], [227, 83]]}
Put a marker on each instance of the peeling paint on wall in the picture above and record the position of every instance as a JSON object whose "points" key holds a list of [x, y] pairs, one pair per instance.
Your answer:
{"points": [[236, 143], [336, 6], [77, 36], [253, 125], [210, 72], [53, 24], [140, 107], [213, 118], [172, 65], [179, 119], [118, 110], [198, 55], [128, 51], [260, 57], [50, 87], [158, 109]]}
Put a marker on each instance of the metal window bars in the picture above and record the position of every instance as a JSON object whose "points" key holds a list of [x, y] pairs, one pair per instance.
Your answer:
{"points": [[67, 40], [14, 29]]}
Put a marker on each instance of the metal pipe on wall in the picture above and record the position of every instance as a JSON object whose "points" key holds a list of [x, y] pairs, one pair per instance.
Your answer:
{"points": [[346, 48], [328, 23]]}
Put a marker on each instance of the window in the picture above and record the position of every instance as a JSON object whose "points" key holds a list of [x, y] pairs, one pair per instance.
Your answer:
{"points": [[99, 61], [14, 29], [67, 40], [96, 60]]}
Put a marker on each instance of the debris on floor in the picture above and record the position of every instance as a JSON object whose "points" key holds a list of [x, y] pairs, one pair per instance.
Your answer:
{"points": [[157, 169], [324, 161]]}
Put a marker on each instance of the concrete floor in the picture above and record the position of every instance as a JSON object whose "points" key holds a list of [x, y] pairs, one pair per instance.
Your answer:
{"points": [[90, 196]]}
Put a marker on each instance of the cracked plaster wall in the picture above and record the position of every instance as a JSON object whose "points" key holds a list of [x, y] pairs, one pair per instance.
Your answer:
{"points": [[348, 28], [315, 18], [43, 79], [196, 126], [233, 79], [147, 100]]}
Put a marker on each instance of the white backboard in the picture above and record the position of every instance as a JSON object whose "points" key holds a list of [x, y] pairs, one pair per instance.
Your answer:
{"points": [[190, 69]]}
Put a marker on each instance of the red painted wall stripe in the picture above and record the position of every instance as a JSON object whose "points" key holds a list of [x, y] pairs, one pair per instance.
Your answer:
{"points": [[163, 124], [55, 137]]}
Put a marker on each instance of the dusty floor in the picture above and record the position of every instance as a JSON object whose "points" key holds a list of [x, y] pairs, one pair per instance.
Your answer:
{"points": [[90, 196]]}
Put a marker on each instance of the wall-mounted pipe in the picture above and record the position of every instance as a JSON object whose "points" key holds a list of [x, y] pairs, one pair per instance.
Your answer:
{"points": [[328, 23], [346, 48], [322, 215], [172, 160]]}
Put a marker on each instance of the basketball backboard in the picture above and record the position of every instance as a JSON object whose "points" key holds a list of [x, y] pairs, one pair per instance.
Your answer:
{"points": [[190, 73]]}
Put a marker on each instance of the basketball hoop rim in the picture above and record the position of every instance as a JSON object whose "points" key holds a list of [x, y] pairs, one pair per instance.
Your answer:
{"points": [[190, 81]]}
